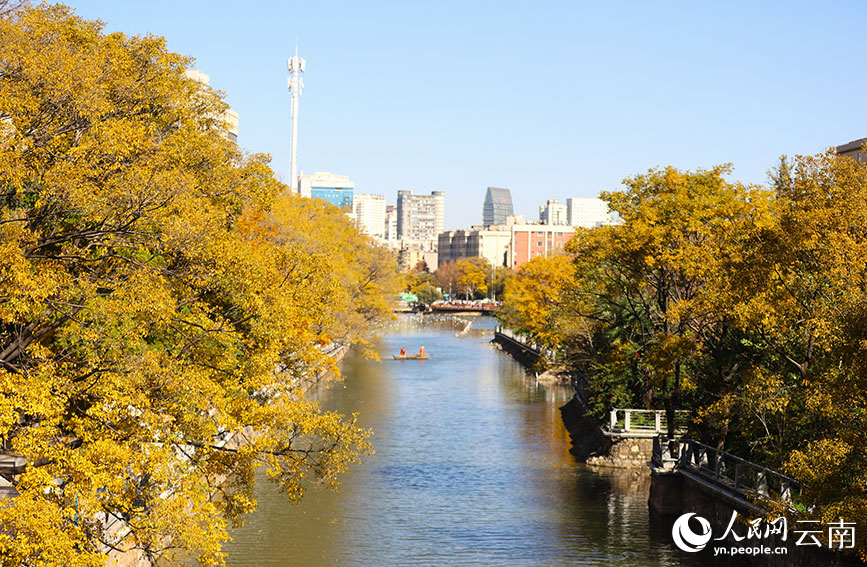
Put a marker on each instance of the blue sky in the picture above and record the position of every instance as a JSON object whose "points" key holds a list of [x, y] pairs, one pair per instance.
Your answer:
{"points": [[550, 99]]}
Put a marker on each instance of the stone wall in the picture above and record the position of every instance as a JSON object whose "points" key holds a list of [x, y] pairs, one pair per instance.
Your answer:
{"points": [[591, 445], [625, 453]]}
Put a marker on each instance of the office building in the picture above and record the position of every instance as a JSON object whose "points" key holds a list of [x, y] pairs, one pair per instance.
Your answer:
{"points": [[370, 214], [553, 213], [336, 189], [490, 243], [587, 212], [498, 206], [530, 241], [420, 218]]}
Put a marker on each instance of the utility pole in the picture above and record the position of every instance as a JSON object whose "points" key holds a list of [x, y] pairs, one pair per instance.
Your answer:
{"points": [[493, 293], [296, 68]]}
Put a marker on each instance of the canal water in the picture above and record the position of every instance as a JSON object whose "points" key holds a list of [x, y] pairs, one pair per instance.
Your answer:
{"points": [[472, 467]]}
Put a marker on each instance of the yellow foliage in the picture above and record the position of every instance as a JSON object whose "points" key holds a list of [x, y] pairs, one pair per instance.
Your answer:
{"points": [[533, 296], [158, 292]]}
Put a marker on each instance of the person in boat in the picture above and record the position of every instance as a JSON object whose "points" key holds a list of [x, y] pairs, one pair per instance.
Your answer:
{"points": [[421, 351], [403, 351]]}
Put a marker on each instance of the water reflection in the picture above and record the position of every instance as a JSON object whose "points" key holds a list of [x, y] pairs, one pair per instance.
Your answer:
{"points": [[471, 468]]}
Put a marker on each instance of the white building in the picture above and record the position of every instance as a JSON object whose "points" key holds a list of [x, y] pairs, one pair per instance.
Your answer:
{"points": [[390, 233], [553, 213], [587, 212], [336, 189], [230, 117], [490, 243], [370, 214], [420, 218]]}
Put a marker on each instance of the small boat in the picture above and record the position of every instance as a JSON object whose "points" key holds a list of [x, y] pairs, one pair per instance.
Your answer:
{"points": [[411, 356]]}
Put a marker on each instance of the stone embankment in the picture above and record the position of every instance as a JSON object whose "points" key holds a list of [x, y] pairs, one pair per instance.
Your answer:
{"points": [[589, 442]]}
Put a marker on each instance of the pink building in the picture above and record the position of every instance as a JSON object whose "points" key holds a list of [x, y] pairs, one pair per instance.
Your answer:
{"points": [[533, 240]]}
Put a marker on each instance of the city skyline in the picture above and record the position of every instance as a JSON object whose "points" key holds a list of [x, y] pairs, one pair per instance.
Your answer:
{"points": [[564, 100]]}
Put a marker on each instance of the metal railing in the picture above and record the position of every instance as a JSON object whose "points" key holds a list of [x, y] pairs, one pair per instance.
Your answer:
{"points": [[724, 469], [528, 343], [644, 423]]}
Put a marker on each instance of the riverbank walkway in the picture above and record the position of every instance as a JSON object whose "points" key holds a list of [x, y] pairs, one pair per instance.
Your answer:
{"points": [[729, 476], [527, 345]]}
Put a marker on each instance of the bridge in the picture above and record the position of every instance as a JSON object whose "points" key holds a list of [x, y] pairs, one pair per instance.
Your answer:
{"points": [[468, 307]]}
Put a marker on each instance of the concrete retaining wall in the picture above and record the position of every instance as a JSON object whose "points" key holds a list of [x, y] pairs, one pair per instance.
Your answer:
{"points": [[673, 493]]}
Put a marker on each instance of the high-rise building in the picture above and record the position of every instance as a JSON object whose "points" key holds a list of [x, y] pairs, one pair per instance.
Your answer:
{"points": [[390, 222], [498, 206], [587, 212], [229, 117], [552, 213], [420, 218], [370, 214], [336, 189]]}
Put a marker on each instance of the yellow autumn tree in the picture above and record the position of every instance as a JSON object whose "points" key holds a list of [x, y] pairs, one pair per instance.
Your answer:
{"points": [[473, 276], [635, 313], [161, 305], [534, 295], [800, 289]]}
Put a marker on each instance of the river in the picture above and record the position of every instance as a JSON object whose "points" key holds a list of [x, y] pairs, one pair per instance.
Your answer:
{"points": [[472, 467]]}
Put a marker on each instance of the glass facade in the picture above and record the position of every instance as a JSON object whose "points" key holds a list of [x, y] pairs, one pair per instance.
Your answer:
{"points": [[498, 206], [340, 197]]}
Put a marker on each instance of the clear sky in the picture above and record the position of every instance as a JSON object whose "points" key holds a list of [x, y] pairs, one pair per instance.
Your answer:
{"points": [[550, 99]]}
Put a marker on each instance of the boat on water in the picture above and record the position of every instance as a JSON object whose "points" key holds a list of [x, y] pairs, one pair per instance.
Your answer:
{"points": [[411, 356]]}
